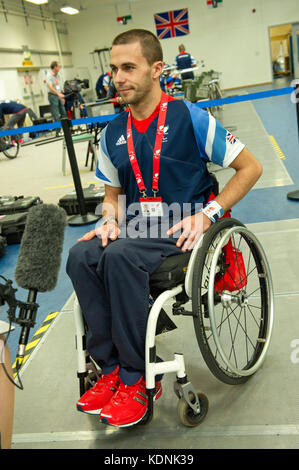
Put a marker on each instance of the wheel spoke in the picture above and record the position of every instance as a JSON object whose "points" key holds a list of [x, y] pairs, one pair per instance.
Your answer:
{"points": [[258, 324], [230, 323]]}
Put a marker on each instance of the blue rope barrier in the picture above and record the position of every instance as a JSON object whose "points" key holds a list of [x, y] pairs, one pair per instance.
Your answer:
{"points": [[107, 118], [251, 96], [57, 125]]}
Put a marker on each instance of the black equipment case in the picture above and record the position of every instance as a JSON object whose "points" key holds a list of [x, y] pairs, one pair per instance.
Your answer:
{"points": [[3, 244], [42, 120], [37, 122], [93, 195], [16, 204], [12, 227]]}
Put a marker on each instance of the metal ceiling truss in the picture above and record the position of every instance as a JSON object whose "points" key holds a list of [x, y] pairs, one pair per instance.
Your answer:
{"points": [[28, 11]]}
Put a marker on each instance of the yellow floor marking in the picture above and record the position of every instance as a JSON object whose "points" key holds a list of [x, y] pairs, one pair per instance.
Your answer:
{"points": [[277, 148]]}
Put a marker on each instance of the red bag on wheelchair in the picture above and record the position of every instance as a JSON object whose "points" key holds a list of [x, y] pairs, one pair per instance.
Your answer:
{"points": [[232, 275]]}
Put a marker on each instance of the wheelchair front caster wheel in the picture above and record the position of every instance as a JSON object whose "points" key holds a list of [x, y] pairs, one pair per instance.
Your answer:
{"points": [[187, 415]]}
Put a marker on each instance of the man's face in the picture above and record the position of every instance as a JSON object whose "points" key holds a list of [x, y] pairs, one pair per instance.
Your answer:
{"points": [[56, 69], [132, 75]]}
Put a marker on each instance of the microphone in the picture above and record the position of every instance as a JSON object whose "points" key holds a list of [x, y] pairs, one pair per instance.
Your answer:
{"points": [[39, 260]]}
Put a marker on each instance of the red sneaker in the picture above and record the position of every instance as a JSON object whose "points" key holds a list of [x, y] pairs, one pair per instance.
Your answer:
{"points": [[99, 395], [129, 404]]}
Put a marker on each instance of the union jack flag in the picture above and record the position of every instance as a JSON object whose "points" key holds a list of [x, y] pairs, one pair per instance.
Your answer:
{"points": [[172, 23], [230, 138]]}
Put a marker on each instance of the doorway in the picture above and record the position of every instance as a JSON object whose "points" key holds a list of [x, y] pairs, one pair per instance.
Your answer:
{"points": [[281, 46], [295, 35]]}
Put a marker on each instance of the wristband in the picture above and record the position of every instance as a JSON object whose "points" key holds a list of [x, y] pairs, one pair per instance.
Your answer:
{"points": [[213, 210], [104, 221]]}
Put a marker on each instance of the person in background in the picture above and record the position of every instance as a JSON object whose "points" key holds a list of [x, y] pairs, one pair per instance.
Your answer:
{"points": [[70, 102], [55, 96], [7, 396], [184, 60], [102, 85], [118, 102], [17, 112], [168, 80]]}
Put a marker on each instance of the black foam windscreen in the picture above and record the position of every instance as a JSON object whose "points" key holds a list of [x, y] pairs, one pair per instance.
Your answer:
{"points": [[41, 247]]}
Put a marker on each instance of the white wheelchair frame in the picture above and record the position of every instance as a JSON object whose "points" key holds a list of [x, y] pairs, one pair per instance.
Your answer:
{"points": [[193, 405]]}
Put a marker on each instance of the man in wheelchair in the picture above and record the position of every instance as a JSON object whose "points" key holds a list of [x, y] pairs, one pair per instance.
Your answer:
{"points": [[154, 155]]}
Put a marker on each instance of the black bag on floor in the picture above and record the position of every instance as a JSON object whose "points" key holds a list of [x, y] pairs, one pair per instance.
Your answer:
{"points": [[3, 244], [12, 227], [36, 122], [42, 120], [93, 195], [15, 204]]}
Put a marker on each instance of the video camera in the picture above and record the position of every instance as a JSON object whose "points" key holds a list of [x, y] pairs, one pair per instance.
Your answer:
{"points": [[73, 87]]}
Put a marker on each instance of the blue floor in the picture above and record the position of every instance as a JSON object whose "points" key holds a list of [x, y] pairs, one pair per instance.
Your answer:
{"points": [[260, 205], [279, 118]]}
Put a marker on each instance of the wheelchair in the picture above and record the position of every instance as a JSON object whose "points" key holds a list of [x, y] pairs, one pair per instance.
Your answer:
{"points": [[227, 280]]}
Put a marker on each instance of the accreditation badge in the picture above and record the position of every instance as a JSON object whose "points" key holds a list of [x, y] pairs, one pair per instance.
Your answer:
{"points": [[151, 206]]}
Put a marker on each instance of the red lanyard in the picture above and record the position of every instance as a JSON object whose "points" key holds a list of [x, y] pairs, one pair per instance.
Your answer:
{"points": [[157, 148]]}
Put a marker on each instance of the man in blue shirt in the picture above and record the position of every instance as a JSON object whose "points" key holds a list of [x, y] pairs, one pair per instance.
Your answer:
{"points": [[71, 102], [17, 112], [102, 85], [184, 60], [151, 156]]}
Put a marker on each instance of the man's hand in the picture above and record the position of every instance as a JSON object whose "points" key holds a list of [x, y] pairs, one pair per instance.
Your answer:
{"points": [[193, 227], [108, 231]]}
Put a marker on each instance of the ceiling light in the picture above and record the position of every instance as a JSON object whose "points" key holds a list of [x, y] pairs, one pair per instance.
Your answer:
{"points": [[37, 2], [69, 10]]}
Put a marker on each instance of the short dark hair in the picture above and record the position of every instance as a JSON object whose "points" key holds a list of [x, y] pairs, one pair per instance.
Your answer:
{"points": [[150, 44], [53, 64]]}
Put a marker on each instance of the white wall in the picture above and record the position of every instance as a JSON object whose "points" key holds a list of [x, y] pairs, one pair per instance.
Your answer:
{"points": [[230, 39], [37, 36]]}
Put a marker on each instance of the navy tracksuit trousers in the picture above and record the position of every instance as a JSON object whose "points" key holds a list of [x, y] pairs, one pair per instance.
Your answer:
{"points": [[112, 286]]}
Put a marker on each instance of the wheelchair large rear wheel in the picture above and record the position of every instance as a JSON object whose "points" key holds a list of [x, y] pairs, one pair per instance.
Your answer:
{"points": [[9, 147], [232, 301]]}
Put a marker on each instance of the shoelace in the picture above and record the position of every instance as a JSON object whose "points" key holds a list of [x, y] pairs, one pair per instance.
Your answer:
{"points": [[107, 379], [124, 391]]}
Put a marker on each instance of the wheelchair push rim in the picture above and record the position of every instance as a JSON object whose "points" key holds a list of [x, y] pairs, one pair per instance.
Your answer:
{"points": [[242, 298], [219, 334]]}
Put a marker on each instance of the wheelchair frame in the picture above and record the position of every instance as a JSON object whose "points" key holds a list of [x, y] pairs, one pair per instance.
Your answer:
{"points": [[193, 405]]}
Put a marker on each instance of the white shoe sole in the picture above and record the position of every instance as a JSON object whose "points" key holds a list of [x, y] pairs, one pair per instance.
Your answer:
{"points": [[90, 412]]}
